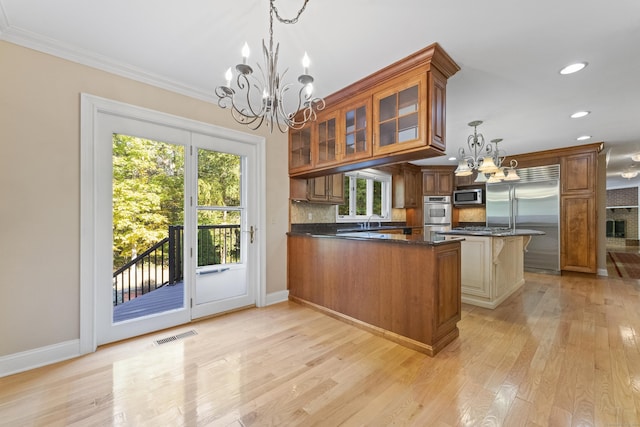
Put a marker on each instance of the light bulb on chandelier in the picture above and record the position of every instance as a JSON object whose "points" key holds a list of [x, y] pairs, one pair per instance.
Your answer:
{"points": [[254, 101]]}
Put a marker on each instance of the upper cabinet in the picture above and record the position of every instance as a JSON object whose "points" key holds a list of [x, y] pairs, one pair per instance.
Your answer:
{"points": [[437, 181], [300, 150], [406, 186], [399, 115], [394, 115], [356, 134], [326, 139], [578, 173]]}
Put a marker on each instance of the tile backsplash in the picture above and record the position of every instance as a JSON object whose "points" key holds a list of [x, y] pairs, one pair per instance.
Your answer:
{"points": [[308, 213], [472, 214]]}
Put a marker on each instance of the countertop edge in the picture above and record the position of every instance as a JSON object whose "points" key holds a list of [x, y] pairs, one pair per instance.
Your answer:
{"points": [[511, 233], [381, 238]]}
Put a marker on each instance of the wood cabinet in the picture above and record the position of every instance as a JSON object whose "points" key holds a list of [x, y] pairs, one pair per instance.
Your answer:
{"points": [[467, 181], [579, 173], [405, 187], [355, 136], [578, 236], [397, 114], [325, 139], [437, 181], [326, 189], [578, 246], [408, 293], [300, 150]]}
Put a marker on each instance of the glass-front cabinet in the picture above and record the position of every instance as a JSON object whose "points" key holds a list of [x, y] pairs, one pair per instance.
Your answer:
{"points": [[357, 132], [396, 114], [300, 149], [325, 144], [400, 116]]}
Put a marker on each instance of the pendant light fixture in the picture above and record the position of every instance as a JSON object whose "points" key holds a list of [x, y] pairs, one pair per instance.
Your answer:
{"points": [[260, 100], [485, 158]]}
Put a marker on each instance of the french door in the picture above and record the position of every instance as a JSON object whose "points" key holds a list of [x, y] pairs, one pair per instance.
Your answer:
{"points": [[226, 226], [213, 261]]}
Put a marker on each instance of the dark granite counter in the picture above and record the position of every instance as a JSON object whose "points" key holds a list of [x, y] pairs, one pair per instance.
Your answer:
{"points": [[381, 236], [492, 232]]}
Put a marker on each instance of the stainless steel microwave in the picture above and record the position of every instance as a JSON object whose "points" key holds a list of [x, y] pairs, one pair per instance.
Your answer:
{"points": [[472, 196]]}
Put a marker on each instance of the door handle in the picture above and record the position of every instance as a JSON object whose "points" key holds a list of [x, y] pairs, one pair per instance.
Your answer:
{"points": [[220, 270], [251, 232]]}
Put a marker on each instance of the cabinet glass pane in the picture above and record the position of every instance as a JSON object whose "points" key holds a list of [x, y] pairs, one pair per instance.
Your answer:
{"points": [[361, 140], [408, 128], [300, 147], [408, 101], [350, 118], [327, 141], [361, 118], [355, 135], [350, 144], [388, 133], [388, 107]]}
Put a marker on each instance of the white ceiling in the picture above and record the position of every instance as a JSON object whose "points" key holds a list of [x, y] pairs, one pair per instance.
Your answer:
{"points": [[509, 53]]}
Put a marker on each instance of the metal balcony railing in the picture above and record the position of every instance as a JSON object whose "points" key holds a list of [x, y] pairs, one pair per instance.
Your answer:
{"points": [[162, 263]]}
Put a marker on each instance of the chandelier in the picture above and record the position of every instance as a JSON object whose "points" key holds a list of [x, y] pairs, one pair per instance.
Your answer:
{"points": [[629, 172], [257, 100], [487, 159]]}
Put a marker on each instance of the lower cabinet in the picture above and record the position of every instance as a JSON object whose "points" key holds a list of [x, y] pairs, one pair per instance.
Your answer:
{"points": [[578, 240], [492, 269], [408, 293]]}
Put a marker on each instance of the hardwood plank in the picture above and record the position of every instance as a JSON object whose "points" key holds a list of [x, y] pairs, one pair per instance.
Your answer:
{"points": [[563, 350]]}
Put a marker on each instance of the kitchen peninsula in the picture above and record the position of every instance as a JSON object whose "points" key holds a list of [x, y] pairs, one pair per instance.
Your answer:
{"points": [[492, 263], [402, 287]]}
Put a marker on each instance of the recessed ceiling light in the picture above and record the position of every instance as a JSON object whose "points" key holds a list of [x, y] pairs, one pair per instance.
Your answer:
{"points": [[579, 114], [583, 137], [573, 68], [452, 158]]}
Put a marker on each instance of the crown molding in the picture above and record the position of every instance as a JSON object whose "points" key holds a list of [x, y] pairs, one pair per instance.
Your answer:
{"points": [[71, 53]]}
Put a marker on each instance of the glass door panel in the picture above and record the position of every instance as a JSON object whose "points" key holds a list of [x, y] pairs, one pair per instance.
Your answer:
{"points": [[220, 251], [300, 154], [356, 131], [148, 218], [327, 140], [400, 116]]}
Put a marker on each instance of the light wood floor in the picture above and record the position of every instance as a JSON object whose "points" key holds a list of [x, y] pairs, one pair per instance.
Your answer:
{"points": [[563, 351]]}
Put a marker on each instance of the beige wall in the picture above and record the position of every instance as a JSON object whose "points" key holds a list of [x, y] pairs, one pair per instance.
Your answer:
{"points": [[40, 189]]}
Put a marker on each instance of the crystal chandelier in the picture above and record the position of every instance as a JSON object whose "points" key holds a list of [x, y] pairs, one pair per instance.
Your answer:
{"points": [[257, 100], [485, 158]]}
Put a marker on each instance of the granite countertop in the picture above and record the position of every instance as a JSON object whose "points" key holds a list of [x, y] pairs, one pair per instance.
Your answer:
{"points": [[492, 232], [381, 236]]}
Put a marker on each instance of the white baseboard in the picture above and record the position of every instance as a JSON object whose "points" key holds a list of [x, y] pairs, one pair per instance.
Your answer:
{"points": [[603, 272], [30, 359], [276, 297]]}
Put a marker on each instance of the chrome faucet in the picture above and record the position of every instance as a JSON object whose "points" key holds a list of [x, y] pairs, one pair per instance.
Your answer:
{"points": [[368, 225]]}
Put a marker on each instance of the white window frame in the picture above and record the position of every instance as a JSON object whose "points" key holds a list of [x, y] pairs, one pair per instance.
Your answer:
{"points": [[370, 175]]}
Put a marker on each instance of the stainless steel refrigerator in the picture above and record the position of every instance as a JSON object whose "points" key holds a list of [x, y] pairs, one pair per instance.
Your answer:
{"points": [[533, 203]]}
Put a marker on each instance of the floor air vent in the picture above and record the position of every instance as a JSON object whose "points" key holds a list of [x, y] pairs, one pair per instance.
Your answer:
{"points": [[175, 337]]}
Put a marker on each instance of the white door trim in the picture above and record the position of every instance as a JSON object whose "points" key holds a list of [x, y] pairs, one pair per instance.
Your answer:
{"points": [[91, 110]]}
